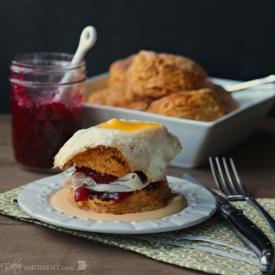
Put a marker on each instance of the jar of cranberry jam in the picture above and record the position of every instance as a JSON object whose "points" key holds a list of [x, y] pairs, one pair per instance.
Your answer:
{"points": [[47, 96]]}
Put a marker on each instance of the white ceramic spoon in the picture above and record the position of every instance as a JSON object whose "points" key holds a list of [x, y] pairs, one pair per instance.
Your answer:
{"points": [[251, 83], [87, 40]]}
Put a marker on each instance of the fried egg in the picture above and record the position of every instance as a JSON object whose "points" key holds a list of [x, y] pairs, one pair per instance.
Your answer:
{"points": [[147, 146]]}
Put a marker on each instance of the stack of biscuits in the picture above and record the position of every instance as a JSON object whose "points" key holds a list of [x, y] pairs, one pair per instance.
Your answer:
{"points": [[120, 166], [164, 84]]}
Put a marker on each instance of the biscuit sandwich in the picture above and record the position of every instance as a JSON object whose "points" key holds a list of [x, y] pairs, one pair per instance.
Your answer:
{"points": [[119, 166]]}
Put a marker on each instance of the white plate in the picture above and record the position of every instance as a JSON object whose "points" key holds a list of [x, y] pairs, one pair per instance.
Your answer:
{"points": [[34, 200], [199, 139]]}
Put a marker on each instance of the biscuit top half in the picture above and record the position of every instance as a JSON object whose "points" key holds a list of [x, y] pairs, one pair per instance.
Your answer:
{"points": [[118, 147]]}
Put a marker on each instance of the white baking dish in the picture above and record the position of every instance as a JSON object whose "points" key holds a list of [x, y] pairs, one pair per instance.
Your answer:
{"points": [[199, 139]]}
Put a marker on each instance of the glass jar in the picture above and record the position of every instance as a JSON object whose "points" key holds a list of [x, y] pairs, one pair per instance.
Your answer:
{"points": [[47, 97]]}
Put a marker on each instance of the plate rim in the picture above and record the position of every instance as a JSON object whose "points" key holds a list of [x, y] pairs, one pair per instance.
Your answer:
{"points": [[43, 211]]}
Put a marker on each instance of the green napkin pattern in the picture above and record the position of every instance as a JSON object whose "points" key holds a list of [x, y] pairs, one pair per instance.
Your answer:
{"points": [[209, 247]]}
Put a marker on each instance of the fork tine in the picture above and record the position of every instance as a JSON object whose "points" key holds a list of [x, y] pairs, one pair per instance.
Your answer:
{"points": [[215, 175], [228, 174], [238, 179], [228, 191], [232, 173], [217, 182]]}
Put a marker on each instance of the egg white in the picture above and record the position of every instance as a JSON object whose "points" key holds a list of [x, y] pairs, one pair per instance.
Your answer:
{"points": [[149, 150]]}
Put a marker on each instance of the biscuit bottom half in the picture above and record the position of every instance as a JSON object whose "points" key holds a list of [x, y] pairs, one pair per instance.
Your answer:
{"points": [[152, 197]]}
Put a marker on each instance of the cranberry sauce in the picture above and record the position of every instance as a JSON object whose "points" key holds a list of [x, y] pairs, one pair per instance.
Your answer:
{"points": [[41, 127], [83, 193], [152, 186], [96, 176]]}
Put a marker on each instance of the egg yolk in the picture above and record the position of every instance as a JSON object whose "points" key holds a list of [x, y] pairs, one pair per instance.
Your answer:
{"points": [[128, 125]]}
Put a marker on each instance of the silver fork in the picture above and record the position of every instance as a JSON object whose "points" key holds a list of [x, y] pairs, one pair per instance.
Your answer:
{"points": [[230, 184]]}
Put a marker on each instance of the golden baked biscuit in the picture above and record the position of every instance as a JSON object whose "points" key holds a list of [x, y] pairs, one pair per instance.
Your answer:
{"points": [[119, 96], [146, 199], [140, 81], [228, 102], [202, 104], [105, 160], [157, 75], [118, 71], [140, 105], [113, 96]]}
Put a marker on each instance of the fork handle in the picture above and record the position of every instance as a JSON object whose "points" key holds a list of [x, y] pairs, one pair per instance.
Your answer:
{"points": [[269, 220], [251, 235]]}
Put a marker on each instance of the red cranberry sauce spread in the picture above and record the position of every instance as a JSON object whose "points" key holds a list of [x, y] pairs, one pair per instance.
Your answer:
{"points": [[96, 176], [83, 193]]}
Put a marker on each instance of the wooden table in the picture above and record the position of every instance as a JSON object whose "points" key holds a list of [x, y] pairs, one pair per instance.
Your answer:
{"points": [[37, 245]]}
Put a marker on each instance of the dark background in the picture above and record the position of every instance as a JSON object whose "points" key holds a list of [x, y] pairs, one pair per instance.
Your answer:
{"points": [[230, 39]]}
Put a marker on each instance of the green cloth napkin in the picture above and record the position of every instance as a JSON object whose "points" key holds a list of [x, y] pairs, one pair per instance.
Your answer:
{"points": [[209, 247]]}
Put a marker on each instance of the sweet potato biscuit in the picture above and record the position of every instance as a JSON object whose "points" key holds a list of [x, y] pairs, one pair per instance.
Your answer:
{"points": [[119, 96], [139, 201], [156, 75], [202, 105], [140, 105], [113, 96], [228, 102], [105, 160], [118, 71]]}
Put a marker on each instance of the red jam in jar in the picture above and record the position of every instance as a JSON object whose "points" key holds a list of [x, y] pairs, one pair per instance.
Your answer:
{"points": [[43, 119], [39, 129]]}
